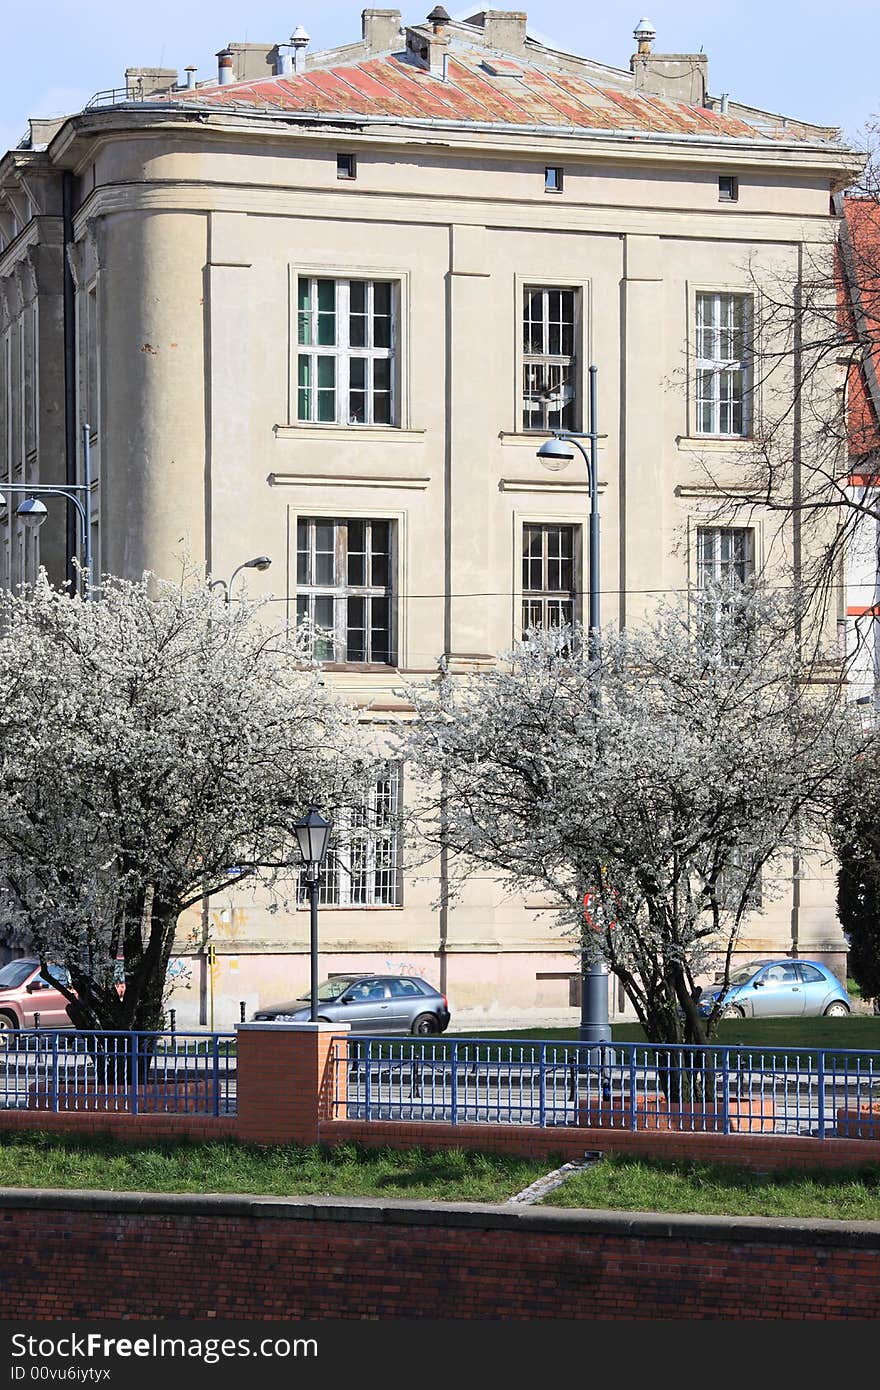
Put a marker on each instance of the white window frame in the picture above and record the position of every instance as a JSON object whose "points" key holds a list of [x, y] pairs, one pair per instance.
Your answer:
{"points": [[354, 862], [540, 284], [718, 563], [340, 590], [546, 595], [342, 351], [720, 368]]}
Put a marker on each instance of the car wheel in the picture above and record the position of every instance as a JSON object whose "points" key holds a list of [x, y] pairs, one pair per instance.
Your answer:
{"points": [[8, 1021], [425, 1024], [734, 1011], [837, 1010]]}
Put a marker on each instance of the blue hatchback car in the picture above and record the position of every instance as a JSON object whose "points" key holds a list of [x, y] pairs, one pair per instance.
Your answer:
{"points": [[780, 989]]}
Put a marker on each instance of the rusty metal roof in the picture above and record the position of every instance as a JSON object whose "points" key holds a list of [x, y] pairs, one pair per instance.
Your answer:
{"points": [[479, 89]]}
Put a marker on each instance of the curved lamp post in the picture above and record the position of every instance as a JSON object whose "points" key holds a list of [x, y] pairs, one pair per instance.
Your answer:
{"points": [[33, 512], [313, 837], [259, 562], [557, 453]]}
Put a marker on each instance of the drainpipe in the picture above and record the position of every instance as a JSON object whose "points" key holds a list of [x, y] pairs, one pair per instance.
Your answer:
{"points": [[69, 339]]}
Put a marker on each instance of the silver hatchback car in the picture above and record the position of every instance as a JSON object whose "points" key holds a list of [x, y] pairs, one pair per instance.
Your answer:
{"points": [[369, 1004], [780, 989]]}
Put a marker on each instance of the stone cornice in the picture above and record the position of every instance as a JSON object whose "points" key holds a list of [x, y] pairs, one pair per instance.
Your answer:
{"points": [[180, 195]]}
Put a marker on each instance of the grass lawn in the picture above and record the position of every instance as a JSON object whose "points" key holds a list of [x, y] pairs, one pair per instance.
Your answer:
{"points": [[860, 1031], [715, 1189], [41, 1160]]}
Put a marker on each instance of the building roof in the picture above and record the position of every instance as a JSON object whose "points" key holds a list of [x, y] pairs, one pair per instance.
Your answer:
{"points": [[860, 265], [536, 87]]}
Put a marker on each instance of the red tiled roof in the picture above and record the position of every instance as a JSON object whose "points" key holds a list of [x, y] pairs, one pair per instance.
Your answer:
{"points": [[860, 314], [483, 89]]}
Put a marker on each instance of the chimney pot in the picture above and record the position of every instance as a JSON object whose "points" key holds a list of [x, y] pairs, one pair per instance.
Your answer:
{"points": [[644, 35], [224, 67], [438, 18]]}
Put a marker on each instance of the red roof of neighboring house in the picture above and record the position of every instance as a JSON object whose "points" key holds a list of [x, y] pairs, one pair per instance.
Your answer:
{"points": [[479, 88], [860, 312]]}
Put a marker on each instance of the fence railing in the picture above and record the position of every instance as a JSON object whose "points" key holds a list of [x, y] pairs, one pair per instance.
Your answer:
{"points": [[725, 1090], [131, 1072]]}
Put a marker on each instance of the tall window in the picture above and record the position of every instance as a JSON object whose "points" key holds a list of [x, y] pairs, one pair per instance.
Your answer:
{"points": [[363, 862], [344, 588], [725, 555], [548, 576], [549, 359], [722, 372], [345, 354]]}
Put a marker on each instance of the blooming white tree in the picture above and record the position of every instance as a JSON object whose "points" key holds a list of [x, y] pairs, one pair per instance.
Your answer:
{"points": [[153, 742], [664, 779]]}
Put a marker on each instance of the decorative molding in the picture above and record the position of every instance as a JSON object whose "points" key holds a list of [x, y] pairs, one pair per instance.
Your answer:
{"points": [[345, 480], [548, 485], [716, 490]]}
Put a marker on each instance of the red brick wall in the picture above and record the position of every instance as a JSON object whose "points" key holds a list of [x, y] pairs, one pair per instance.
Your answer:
{"points": [[236, 1257]]}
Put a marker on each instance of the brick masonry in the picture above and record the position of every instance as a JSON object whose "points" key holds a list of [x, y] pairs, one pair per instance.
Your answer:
{"points": [[130, 1254]]}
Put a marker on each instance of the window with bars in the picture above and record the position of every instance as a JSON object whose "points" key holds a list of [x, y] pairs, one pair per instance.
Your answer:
{"points": [[345, 351], [550, 366], [548, 576], [722, 370], [363, 868], [344, 583]]}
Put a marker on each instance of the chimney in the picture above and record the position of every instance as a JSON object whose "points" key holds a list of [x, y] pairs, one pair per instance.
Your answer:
{"points": [[141, 83], [503, 29], [224, 67], [676, 76], [299, 42], [380, 30], [429, 44], [191, 75]]}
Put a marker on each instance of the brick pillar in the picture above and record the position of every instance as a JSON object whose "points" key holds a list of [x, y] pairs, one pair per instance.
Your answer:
{"points": [[286, 1081]]}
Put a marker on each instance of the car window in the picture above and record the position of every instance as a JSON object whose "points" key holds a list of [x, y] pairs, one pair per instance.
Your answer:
{"points": [[15, 973], [811, 974], [404, 989], [368, 989], [781, 974], [56, 975]]}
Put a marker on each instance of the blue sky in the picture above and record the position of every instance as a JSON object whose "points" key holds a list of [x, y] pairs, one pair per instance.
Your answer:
{"points": [[806, 58]]}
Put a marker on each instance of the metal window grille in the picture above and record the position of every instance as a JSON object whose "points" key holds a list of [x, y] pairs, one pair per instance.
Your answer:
{"points": [[363, 862], [548, 576], [722, 370], [346, 352], [550, 395], [344, 588]]}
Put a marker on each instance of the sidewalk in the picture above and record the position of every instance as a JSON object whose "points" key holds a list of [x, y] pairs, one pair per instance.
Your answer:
{"points": [[466, 1021]]}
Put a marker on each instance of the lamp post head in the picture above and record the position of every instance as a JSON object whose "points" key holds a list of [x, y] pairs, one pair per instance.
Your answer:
{"points": [[556, 453], [32, 512], [260, 562], [312, 837]]}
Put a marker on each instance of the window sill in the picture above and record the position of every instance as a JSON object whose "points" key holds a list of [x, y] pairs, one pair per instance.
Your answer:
{"points": [[384, 434], [361, 667], [535, 438], [725, 442]]}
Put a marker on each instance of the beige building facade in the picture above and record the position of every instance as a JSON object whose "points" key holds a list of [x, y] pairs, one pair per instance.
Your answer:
{"points": [[327, 311]]}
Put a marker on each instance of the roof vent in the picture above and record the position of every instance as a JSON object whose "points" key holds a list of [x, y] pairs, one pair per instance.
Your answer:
{"points": [[438, 18], [502, 67], [644, 35], [299, 42]]}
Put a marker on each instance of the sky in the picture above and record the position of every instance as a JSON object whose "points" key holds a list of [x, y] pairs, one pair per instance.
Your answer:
{"points": [[810, 59]]}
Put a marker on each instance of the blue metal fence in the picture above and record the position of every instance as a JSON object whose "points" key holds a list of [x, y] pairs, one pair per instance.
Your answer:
{"points": [[724, 1090], [126, 1072]]}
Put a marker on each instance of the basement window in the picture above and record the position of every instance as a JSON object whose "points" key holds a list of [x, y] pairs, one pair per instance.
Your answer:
{"points": [[346, 166], [728, 188], [553, 179]]}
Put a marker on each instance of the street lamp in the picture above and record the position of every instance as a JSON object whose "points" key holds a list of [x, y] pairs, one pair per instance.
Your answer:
{"points": [[557, 453], [312, 837], [33, 512], [259, 562]]}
